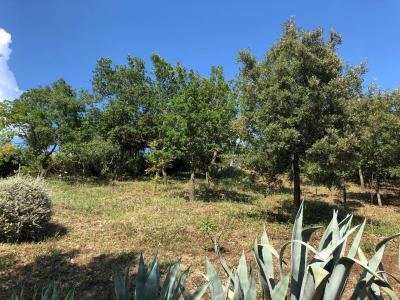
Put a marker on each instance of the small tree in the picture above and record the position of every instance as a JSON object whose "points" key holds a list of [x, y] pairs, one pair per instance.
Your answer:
{"points": [[158, 159], [201, 117]]}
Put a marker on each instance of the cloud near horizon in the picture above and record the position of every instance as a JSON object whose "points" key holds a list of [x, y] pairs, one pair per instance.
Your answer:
{"points": [[9, 89]]}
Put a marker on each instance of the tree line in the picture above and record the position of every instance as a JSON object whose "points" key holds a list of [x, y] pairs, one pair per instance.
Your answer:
{"points": [[300, 111]]}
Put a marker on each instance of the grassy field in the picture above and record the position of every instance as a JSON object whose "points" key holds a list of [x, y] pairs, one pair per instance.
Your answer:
{"points": [[99, 227]]}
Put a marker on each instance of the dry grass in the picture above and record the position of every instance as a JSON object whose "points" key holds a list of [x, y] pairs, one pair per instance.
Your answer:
{"points": [[99, 227]]}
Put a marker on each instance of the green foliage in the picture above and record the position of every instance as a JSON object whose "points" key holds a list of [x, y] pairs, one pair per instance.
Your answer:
{"points": [[44, 118], [380, 133], [9, 159], [94, 157], [125, 116], [292, 97], [158, 158], [25, 208], [332, 160], [208, 227]]}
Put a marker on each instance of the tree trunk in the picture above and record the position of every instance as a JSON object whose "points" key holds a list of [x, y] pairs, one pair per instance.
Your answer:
{"points": [[155, 182], [296, 184], [42, 168], [378, 191], [191, 187], [344, 195], [208, 179], [360, 174], [371, 187], [164, 176]]}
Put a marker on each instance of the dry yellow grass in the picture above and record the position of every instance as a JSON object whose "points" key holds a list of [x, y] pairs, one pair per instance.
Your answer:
{"points": [[99, 227]]}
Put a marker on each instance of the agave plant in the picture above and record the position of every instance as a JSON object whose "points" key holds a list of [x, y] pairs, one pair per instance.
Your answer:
{"points": [[147, 283], [324, 275], [51, 292]]}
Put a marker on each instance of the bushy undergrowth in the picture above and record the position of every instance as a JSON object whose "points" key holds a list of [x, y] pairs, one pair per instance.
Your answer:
{"points": [[25, 208], [308, 273]]}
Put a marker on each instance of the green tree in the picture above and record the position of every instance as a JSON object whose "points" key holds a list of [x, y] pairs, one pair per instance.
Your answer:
{"points": [[164, 148], [380, 137], [124, 115], [201, 112], [292, 97], [45, 118], [332, 160]]}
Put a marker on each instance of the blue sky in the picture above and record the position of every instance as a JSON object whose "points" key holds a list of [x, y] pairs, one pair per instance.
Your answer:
{"points": [[54, 38]]}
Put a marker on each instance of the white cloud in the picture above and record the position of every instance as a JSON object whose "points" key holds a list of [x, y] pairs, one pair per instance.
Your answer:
{"points": [[8, 85]]}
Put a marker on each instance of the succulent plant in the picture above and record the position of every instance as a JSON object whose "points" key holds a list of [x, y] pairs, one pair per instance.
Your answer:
{"points": [[147, 283], [324, 276], [320, 273], [51, 292]]}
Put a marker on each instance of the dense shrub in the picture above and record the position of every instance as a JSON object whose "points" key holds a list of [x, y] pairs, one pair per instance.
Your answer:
{"points": [[25, 208], [9, 159]]}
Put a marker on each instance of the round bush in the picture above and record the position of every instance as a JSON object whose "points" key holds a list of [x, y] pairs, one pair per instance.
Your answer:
{"points": [[25, 208]]}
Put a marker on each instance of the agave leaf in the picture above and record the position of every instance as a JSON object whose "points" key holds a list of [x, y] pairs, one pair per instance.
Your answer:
{"points": [[217, 291], [47, 292], [327, 236], [251, 290], [118, 286], [390, 293], [223, 263], [390, 275], [328, 251], [335, 230], [343, 230], [367, 276], [384, 241], [281, 289], [140, 280], [340, 274], [54, 295], [263, 253], [152, 285], [314, 284], [197, 294], [266, 279], [70, 295], [242, 273], [298, 261], [356, 243], [180, 288], [171, 281], [362, 256], [345, 224], [238, 293], [307, 233]]}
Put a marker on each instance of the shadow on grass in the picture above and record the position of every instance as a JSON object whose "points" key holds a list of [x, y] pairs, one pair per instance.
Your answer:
{"points": [[217, 195], [90, 281], [51, 231], [316, 212], [387, 198]]}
